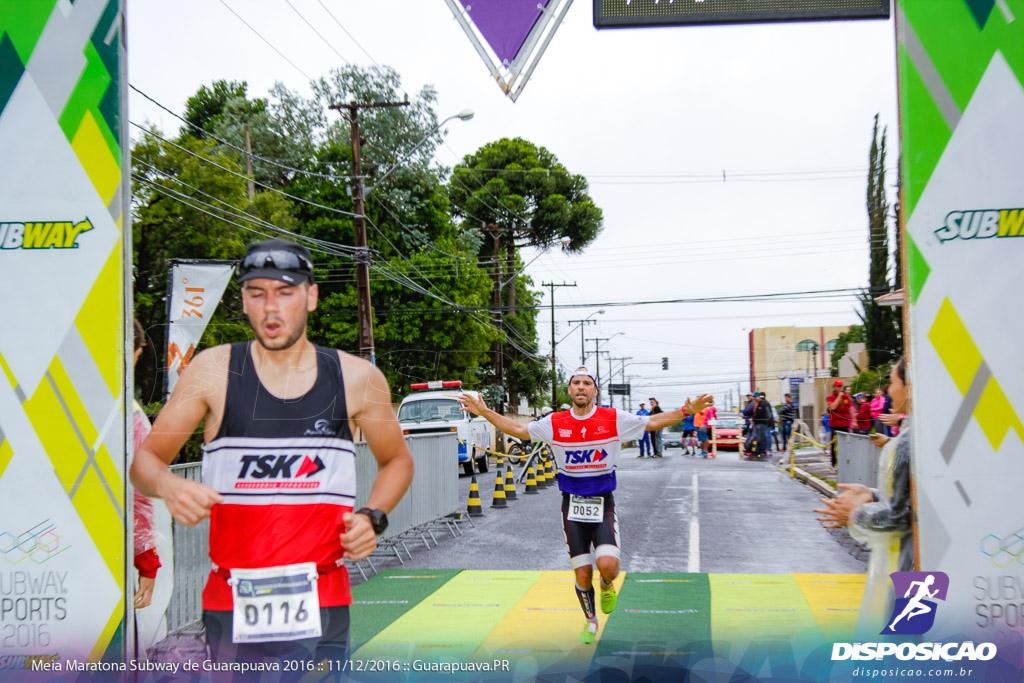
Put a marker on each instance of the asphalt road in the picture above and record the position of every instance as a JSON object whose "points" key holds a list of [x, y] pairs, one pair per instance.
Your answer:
{"points": [[677, 513]]}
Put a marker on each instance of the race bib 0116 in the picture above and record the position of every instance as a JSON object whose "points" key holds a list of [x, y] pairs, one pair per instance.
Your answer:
{"points": [[275, 603]]}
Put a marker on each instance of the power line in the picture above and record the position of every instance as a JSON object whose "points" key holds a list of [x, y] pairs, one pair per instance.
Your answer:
{"points": [[313, 28], [269, 44], [329, 13]]}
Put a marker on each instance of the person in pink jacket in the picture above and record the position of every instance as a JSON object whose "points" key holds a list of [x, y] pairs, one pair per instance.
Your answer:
{"points": [[877, 406]]}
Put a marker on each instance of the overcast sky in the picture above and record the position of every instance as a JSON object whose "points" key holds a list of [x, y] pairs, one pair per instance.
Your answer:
{"points": [[653, 117]]}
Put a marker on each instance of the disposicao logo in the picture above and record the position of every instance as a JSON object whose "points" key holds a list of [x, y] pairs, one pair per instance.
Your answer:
{"points": [[982, 224], [914, 614]]}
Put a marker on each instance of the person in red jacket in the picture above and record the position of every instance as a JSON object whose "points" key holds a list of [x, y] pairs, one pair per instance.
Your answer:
{"points": [[840, 415], [863, 414]]}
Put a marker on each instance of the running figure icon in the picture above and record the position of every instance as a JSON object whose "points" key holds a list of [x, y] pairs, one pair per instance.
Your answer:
{"points": [[916, 606]]}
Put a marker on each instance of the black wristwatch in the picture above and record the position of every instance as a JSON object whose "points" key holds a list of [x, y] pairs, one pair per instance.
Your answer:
{"points": [[378, 519]]}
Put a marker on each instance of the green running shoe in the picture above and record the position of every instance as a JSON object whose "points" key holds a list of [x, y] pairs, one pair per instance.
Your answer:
{"points": [[589, 633], [608, 599]]}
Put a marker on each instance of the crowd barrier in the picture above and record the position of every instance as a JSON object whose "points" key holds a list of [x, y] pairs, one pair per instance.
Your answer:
{"points": [[429, 504], [858, 459]]}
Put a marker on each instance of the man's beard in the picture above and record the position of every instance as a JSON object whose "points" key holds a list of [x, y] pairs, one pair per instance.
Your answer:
{"points": [[280, 344], [584, 398]]}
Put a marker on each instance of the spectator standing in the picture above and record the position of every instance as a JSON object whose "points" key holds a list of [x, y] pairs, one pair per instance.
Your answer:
{"points": [[787, 414], [762, 418], [877, 405], [863, 414], [645, 440], [655, 434], [840, 415]]}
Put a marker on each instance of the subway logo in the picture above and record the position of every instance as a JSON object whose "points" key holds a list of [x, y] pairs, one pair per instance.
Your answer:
{"points": [[42, 235], [969, 225]]}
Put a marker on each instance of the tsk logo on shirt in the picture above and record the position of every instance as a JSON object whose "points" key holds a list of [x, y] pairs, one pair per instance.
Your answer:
{"points": [[585, 458], [276, 471]]}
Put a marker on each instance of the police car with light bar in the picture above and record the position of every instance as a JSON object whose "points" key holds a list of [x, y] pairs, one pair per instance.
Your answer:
{"points": [[432, 409]]}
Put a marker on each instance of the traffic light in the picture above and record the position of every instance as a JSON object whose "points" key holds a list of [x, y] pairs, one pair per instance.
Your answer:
{"points": [[664, 362]]}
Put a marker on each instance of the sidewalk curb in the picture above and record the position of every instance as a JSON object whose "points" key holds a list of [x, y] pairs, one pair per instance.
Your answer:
{"points": [[812, 481]]}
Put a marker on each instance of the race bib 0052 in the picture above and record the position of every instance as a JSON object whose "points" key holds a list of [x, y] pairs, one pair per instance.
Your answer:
{"points": [[584, 509]]}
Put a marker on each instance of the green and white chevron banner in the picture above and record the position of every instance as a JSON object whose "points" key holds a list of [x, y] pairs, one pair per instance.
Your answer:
{"points": [[63, 201], [961, 76]]}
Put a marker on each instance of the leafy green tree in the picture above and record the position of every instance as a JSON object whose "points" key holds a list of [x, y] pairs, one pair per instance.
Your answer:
{"points": [[169, 220], [843, 341]]}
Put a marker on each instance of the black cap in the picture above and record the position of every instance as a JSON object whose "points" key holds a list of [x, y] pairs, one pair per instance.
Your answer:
{"points": [[278, 260]]}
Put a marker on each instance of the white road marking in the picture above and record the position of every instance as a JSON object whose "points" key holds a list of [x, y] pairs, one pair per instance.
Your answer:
{"points": [[693, 564]]}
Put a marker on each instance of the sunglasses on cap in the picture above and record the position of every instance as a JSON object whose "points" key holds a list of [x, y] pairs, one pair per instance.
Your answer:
{"points": [[280, 259]]}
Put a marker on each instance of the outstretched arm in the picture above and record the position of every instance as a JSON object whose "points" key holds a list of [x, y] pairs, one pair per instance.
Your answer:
{"points": [[670, 417], [476, 405]]}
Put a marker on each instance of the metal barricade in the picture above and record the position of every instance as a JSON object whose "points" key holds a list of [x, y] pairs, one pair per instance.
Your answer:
{"points": [[432, 497], [191, 564], [858, 459]]}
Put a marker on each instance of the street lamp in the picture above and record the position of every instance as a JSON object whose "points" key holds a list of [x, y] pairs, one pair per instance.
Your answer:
{"points": [[464, 115]]}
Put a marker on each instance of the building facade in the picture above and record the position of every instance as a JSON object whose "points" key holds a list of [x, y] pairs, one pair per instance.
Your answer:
{"points": [[782, 358]]}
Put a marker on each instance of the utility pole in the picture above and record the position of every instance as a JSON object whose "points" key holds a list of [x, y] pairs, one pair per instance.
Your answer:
{"points": [[622, 373], [365, 311], [249, 185], [583, 332], [554, 363], [597, 341], [499, 347]]}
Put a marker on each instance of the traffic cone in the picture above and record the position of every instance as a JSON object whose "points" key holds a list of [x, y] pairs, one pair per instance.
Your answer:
{"points": [[542, 477], [531, 481], [473, 506], [549, 471], [499, 493], [500, 463], [510, 484]]}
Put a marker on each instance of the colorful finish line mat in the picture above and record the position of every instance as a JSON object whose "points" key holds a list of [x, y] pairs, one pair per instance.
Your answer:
{"points": [[421, 621]]}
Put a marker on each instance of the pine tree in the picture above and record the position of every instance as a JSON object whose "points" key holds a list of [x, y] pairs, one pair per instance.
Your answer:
{"points": [[879, 331]]}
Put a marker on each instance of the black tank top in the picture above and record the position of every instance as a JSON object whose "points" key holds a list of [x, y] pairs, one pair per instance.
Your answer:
{"points": [[286, 470], [251, 410]]}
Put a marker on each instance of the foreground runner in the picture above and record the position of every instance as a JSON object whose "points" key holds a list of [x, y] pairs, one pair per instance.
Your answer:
{"points": [[279, 471], [586, 442]]}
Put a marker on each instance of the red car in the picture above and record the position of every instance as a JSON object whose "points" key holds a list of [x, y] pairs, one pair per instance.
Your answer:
{"points": [[728, 433]]}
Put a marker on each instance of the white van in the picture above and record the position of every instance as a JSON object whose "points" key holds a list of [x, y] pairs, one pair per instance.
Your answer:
{"points": [[436, 411]]}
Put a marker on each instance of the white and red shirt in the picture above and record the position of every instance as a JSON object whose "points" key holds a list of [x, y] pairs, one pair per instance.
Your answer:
{"points": [[587, 448]]}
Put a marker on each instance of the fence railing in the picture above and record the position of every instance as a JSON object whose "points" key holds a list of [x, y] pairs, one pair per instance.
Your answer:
{"points": [[432, 497], [858, 459]]}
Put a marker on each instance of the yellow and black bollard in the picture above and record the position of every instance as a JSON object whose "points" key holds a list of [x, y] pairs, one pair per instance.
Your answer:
{"points": [[531, 481], [473, 506], [510, 484], [499, 493]]}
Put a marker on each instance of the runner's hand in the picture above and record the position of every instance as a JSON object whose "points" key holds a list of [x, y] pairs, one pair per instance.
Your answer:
{"points": [[472, 404], [359, 539], [189, 502]]}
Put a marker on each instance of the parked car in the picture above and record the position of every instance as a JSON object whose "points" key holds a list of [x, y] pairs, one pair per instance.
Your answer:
{"points": [[672, 439], [728, 432], [436, 411]]}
